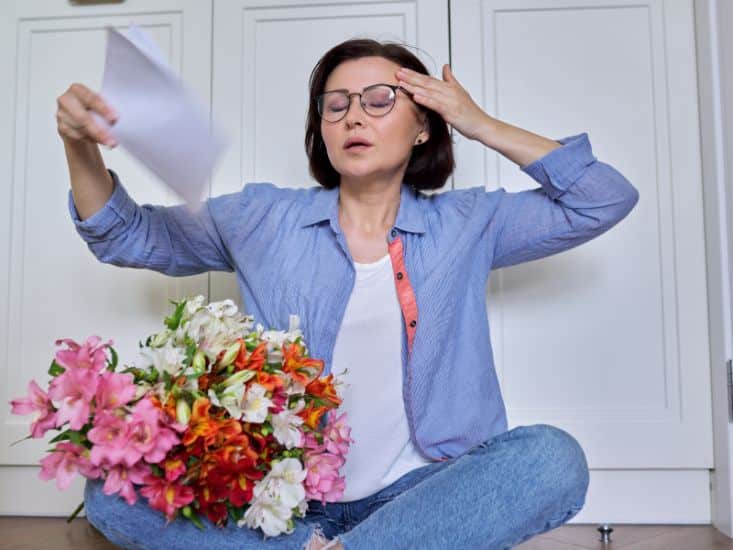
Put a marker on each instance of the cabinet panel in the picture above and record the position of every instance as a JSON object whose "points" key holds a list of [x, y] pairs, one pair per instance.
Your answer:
{"points": [[53, 286], [608, 340]]}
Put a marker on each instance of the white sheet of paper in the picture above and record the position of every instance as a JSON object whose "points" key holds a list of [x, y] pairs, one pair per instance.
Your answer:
{"points": [[159, 122]]}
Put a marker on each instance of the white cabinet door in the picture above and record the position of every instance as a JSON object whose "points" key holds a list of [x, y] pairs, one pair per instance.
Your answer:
{"points": [[264, 51], [52, 285], [608, 340]]}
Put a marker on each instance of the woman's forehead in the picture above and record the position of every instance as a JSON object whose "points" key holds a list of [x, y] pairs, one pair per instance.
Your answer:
{"points": [[355, 74]]}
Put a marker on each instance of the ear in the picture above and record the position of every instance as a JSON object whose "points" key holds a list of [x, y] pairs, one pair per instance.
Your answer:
{"points": [[424, 134]]}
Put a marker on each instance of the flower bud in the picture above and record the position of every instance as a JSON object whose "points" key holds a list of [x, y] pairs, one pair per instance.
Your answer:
{"points": [[183, 412], [159, 340], [199, 362], [237, 377], [230, 355]]}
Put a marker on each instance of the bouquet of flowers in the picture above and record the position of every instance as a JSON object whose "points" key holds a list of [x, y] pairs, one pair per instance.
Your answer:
{"points": [[225, 421]]}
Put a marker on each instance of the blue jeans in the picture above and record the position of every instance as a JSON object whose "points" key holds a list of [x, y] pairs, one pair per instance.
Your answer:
{"points": [[516, 485]]}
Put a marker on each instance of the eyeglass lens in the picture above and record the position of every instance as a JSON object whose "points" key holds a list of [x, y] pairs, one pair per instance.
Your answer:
{"points": [[376, 101]]}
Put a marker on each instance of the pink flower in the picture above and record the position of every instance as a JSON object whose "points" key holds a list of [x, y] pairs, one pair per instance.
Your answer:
{"points": [[311, 443], [336, 435], [114, 390], [110, 436], [65, 461], [90, 355], [279, 400], [75, 389], [37, 400], [174, 467], [322, 481], [166, 496], [147, 436], [128, 439], [120, 480]]}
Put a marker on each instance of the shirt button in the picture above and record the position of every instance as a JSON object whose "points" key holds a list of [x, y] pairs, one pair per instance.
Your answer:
{"points": [[393, 232], [413, 323], [399, 275]]}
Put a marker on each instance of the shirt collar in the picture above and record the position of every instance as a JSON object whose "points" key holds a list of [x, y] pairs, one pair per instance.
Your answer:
{"points": [[325, 207]]}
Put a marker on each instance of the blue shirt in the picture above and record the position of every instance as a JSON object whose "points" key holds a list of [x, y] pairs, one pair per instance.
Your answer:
{"points": [[291, 257]]}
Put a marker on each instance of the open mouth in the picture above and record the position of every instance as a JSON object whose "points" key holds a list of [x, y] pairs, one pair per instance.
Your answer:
{"points": [[356, 147]]}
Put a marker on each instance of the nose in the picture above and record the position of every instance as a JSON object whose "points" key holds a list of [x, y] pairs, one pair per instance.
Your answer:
{"points": [[354, 113]]}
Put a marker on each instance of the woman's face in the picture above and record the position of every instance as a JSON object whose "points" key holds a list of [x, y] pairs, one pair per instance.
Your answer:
{"points": [[392, 136]]}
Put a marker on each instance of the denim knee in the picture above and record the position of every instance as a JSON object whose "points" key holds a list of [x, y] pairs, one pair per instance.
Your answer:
{"points": [[566, 460]]}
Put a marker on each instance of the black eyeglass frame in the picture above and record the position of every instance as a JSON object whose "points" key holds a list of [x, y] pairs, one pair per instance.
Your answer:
{"points": [[394, 87]]}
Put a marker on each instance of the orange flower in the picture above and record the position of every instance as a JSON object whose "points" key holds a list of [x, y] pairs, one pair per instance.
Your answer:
{"points": [[169, 408], [255, 360], [200, 424], [269, 381], [312, 414], [324, 389], [301, 369]]}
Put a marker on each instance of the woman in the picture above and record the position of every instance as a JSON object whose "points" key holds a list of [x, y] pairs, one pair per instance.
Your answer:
{"points": [[390, 284]]}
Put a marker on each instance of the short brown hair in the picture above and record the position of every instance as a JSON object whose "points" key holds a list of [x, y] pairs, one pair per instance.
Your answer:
{"points": [[431, 163]]}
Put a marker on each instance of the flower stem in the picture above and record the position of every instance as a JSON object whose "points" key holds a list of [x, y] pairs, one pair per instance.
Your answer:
{"points": [[75, 512]]}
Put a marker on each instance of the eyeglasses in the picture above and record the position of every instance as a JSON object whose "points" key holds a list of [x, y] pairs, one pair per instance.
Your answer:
{"points": [[376, 100]]}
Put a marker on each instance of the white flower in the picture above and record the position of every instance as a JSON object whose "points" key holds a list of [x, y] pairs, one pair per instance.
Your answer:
{"points": [[285, 426], [268, 516], [276, 338], [213, 326], [193, 305], [292, 386], [255, 404], [231, 399], [225, 308], [168, 358], [286, 481], [274, 498]]}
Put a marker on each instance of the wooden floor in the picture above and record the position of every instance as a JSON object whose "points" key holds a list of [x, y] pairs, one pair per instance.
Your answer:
{"points": [[55, 534]]}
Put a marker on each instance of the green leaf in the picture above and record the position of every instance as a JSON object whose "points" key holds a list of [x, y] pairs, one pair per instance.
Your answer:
{"points": [[236, 513], [55, 369], [113, 363], [189, 514], [76, 437], [168, 381], [63, 436], [190, 352], [174, 320]]}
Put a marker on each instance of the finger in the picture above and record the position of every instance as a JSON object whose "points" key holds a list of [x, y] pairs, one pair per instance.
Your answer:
{"points": [[415, 89], [66, 130], [429, 102], [94, 101], [78, 118], [420, 79]]}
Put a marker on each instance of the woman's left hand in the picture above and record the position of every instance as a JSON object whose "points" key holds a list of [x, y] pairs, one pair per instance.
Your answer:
{"points": [[448, 98]]}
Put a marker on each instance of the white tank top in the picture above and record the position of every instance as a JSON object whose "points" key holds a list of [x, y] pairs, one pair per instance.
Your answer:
{"points": [[369, 345]]}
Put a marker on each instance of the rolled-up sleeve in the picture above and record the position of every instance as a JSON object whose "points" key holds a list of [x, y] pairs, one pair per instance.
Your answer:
{"points": [[167, 239], [578, 199]]}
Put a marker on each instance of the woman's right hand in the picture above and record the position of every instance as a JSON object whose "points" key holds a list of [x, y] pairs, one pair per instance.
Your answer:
{"points": [[74, 120]]}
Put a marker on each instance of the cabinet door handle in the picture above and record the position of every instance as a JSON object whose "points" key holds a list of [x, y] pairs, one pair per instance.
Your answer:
{"points": [[729, 372], [93, 2]]}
